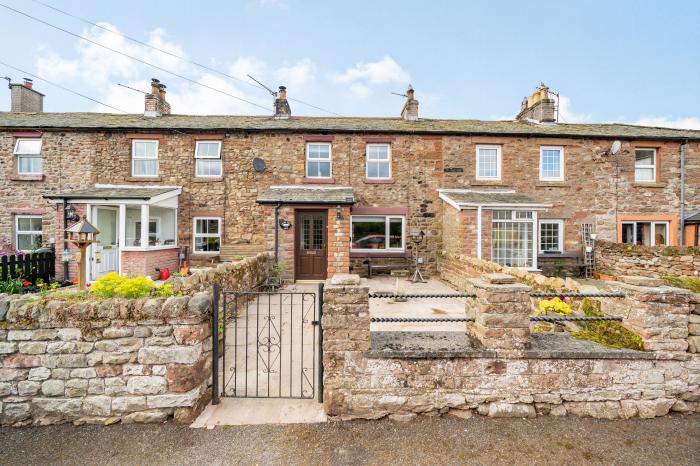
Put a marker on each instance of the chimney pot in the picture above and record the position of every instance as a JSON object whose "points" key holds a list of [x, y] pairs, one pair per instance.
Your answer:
{"points": [[538, 107], [28, 83], [282, 109], [155, 103]]}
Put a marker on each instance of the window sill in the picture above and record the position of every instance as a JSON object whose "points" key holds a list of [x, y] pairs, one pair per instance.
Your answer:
{"points": [[149, 248], [373, 181], [144, 178], [34, 177], [319, 180], [487, 183], [648, 185], [207, 179], [552, 184]]}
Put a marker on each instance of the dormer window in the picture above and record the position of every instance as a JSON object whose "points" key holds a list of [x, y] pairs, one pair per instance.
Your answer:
{"points": [[29, 160]]}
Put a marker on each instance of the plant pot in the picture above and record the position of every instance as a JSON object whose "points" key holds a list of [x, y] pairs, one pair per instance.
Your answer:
{"points": [[603, 276]]}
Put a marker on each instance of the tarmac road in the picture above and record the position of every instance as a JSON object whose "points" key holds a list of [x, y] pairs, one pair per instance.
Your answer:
{"points": [[426, 440]]}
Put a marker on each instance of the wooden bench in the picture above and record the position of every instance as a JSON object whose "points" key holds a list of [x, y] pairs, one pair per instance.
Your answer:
{"points": [[372, 267], [229, 252]]}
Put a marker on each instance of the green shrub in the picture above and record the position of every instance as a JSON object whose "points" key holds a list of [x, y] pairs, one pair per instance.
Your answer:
{"points": [[106, 286], [606, 332], [688, 283], [162, 291], [114, 285]]}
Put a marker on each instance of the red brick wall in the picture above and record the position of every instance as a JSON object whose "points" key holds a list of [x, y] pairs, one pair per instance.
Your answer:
{"points": [[144, 263]]}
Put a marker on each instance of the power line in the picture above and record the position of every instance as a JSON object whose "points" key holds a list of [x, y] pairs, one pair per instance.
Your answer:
{"points": [[61, 87], [133, 58], [174, 55]]}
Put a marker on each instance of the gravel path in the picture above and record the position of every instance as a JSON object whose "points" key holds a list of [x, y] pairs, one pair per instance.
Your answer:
{"points": [[446, 440]]}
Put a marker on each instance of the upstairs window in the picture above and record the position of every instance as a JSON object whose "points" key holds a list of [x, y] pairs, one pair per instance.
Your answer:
{"points": [[28, 232], [28, 152], [552, 163], [318, 160], [207, 156], [488, 162], [551, 236], [207, 234], [144, 157], [645, 165], [378, 161]]}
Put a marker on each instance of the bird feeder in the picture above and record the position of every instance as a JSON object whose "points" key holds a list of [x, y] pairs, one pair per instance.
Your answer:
{"points": [[82, 234]]}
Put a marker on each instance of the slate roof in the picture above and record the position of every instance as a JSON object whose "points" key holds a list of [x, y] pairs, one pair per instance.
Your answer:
{"points": [[693, 218], [136, 122], [114, 192], [488, 198], [307, 195]]}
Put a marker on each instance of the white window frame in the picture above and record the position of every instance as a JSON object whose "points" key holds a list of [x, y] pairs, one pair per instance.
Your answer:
{"points": [[499, 159], [561, 163], [387, 222], [516, 218], [387, 161], [199, 157], [196, 235], [652, 234], [133, 158], [27, 232], [156, 220], [560, 239], [652, 166], [33, 156], [329, 161]]}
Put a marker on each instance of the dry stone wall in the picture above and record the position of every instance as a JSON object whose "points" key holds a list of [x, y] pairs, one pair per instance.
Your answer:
{"points": [[360, 384], [649, 261]]}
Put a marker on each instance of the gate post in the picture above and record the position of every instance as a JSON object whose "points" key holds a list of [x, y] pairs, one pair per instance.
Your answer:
{"points": [[215, 346], [319, 381]]}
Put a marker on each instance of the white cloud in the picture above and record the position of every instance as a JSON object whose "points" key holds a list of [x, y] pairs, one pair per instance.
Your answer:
{"points": [[244, 66], [567, 115], [670, 122], [296, 76], [363, 76]]}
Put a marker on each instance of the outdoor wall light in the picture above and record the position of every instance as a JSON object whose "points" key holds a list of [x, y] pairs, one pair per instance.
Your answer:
{"points": [[66, 255], [285, 224], [71, 214], [338, 212]]}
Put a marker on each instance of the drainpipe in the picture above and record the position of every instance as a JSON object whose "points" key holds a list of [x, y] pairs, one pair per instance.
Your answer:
{"points": [[66, 272], [681, 236], [478, 232], [277, 215]]}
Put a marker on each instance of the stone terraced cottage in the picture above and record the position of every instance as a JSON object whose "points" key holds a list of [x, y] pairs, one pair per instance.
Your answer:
{"points": [[337, 195]]}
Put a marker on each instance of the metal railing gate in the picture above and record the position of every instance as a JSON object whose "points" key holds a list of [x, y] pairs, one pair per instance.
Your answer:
{"points": [[268, 344]]}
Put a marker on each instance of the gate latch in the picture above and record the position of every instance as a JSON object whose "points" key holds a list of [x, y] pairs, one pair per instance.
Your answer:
{"points": [[315, 322]]}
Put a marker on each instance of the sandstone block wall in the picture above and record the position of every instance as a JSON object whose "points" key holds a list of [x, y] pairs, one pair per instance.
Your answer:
{"points": [[100, 362], [648, 261], [360, 385]]}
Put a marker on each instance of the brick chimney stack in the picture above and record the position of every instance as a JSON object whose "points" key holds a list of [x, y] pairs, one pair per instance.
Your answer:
{"points": [[538, 107], [25, 99], [410, 108], [282, 109], [156, 104]]}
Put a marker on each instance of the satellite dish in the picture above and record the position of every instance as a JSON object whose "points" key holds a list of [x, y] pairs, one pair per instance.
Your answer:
{"points": [[259, 165], [615, 148]]}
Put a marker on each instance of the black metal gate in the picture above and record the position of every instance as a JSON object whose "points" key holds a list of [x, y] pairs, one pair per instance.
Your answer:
{"points": [[268, 344]]}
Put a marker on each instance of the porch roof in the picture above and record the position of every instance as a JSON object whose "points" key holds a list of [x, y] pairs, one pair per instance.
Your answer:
{"points": [[303, 194], [693, 217], [495, 198], [114, 193]]}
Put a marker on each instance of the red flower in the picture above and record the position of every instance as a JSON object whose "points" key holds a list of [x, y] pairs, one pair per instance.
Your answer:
{"points": [[26, 283], [88, 285], [74, 281]]}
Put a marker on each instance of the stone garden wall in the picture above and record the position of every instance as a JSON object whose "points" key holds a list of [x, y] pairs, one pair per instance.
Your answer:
{"points": [[506, 374], [649, 261], [99, 361]]}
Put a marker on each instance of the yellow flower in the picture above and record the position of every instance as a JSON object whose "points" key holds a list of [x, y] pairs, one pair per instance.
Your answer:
{"points": [[555, 305]]}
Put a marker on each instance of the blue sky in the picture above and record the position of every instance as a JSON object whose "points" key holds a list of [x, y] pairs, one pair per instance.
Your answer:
{"points": [[636, 61]]}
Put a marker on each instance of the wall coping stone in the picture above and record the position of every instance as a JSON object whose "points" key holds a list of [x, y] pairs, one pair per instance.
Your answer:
{"points": [[498, 278], [640, 280], [502, 288], [651, 289], [345, 279]]}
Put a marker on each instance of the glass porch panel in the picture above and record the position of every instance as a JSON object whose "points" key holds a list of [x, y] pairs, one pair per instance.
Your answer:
{"points": [[133, 234], [512, 244]]}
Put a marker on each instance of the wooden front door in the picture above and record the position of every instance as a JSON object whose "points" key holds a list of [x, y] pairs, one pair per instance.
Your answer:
{"points": [[311, 245]]}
